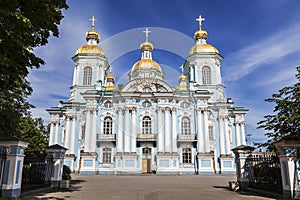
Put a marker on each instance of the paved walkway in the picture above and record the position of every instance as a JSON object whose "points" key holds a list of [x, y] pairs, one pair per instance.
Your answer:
{"points": [[108, 187]]}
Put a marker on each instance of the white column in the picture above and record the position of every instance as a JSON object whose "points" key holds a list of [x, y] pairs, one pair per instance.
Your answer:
{"points": [[167, 130], [237, 134], [192, 73], [94, 132], [51, 135], [133, 128], [227, 138], [243, 133], [206, 134], [56, 132], [87, 132], [200, 134], [221, 130], [174, 131], [67, 134], [74, 75], [120, 135], [159, 130], [126, 132], [72, 147]]}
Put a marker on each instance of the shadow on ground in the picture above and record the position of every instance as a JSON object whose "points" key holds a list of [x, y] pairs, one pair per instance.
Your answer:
{"points": [[36, 194]]}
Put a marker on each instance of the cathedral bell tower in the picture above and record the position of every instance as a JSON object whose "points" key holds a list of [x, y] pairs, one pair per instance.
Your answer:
{"points": [[203, 65], [90, 66]]}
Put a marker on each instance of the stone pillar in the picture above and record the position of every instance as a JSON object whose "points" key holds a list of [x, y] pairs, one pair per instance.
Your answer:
{"points": [[66, 144], [120, 129], [72, 147], [126, 132], [133, 132], [243, 133], [206, 134], [200, 134], [227, 138], [56, 132], [56, 152], [13, 166], [159, 130], [51, 135], [87, 132], [237, 134], [222, 141], [167, 130], [94, 132], [174, 131]]}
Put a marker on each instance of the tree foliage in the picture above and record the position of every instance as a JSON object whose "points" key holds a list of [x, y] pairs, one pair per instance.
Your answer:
{"points": [[24, 25], [285, 123]]}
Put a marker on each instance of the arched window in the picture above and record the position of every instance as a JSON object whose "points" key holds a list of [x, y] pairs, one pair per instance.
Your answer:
{"points": [[146, 125], [185, 126], [206, 75], [107, 126], [87, 76]]}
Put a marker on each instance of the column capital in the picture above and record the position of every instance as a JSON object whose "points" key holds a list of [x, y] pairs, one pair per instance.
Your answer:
{"points": [[167, 109], [173, 109]]}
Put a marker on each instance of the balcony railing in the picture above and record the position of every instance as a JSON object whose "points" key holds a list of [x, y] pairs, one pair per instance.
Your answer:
{"points": [[106, 137], [186, 138], [146, 137]]}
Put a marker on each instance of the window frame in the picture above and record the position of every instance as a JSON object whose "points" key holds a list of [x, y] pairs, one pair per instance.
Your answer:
{"points": [[87, 76], [187, 155], [108, 125], [206, 75], [186, 126], [146, 125], [106, 155]]}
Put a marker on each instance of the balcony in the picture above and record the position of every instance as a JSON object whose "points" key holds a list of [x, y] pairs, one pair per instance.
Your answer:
{"points": [[186, 138], [106, 138], [146, 137]]}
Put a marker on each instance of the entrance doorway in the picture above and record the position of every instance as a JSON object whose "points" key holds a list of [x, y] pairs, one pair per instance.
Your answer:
{"points": [[146, 160]]}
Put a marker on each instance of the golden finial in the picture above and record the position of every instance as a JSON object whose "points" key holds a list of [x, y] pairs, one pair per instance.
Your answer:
{"points": [[200, 19], [147, 34], [93, 22]]}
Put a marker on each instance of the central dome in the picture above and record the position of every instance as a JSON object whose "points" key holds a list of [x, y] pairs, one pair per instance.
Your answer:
{"points": [[90, 49], [203, 48], [146, 64]]}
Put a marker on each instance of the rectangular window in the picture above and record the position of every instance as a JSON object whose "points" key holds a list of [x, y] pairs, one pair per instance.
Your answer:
{"points": [[186, 155], [211, 133], [106, 155]]}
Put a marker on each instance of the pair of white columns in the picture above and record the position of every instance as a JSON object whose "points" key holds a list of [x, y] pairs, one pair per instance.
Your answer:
{"points": [[240, 133], [129, 136], [202, 136], [166, 146], [224, 136], [90, 131], [70, 134], [54, 130]]}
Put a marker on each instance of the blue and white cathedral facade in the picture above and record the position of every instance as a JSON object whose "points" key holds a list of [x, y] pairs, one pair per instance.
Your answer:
{"points": [[147, 126]]}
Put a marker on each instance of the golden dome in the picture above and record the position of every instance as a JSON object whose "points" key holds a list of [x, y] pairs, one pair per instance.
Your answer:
{"points": [[146, 64], [182, 78], [182, 87], [203, 48], [110, 78], [92, 34], [90, 49], [110, 87], [200, 34], [146, 46]]}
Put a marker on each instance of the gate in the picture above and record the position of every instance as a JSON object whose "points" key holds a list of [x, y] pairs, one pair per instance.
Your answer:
{"points": [[3, 156], [264, 171], [36, 173]]}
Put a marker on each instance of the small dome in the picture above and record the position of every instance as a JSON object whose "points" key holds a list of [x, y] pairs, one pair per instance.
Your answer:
{"points": [[146, 46], [110, 78], [182, 78], [200, 34], [90, 49], [146, 64], [92, 34], [203, 48]]}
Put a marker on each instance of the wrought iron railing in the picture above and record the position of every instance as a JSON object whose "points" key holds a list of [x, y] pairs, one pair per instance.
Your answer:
{"points": [[146, 137], [191, 137], [106, 137]]}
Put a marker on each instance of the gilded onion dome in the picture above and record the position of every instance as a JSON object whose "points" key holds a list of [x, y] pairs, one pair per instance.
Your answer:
{"points": [[200, 38], [146, 64], [92, 38]]}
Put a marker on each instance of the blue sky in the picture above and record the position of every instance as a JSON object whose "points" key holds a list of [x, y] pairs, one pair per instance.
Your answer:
{"points": [[259, 41]]}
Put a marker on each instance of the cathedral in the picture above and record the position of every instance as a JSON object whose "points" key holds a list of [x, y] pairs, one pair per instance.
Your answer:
{"points": [[146, 125]]}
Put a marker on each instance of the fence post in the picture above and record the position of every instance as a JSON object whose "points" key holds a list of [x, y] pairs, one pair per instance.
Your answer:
{"points": [[13, 166], [57, 153], [289, 151], [242, 170]]}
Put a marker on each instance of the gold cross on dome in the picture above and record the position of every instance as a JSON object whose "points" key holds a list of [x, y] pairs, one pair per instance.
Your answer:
{"points": [[147, 34], [93, 21], [200, 19]]}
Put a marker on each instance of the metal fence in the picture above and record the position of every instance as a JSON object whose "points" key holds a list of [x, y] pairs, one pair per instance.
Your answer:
{"points": [[36, 173], [3, 156], [264, 172]]}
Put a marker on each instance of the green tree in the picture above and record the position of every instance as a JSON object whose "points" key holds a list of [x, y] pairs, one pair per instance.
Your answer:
{"points": [[285, 123], [24, 25], [34, 132]]}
